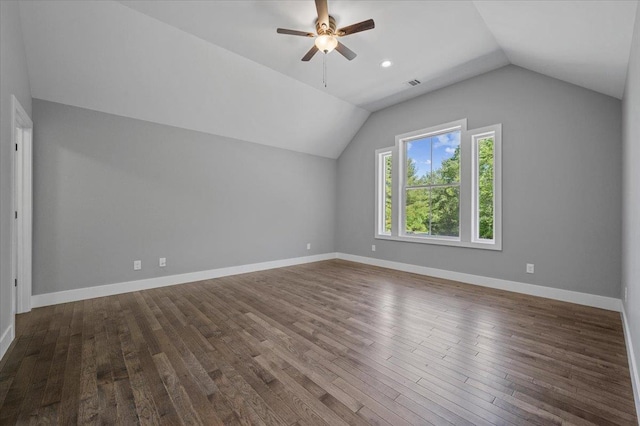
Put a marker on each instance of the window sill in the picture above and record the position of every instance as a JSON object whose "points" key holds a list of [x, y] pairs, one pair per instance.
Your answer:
{"points": [[441, 242]]}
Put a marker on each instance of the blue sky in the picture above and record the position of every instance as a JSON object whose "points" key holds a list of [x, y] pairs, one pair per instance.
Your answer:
{"points": [[420, 151]]}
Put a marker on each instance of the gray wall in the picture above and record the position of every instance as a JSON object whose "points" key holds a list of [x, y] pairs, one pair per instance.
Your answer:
{"points": [[631, 192], [13, 81], [561, 181], [109, 190]]}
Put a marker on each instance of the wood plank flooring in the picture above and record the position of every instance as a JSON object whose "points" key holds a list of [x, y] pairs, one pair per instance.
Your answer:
{"points": [[325, 343]]}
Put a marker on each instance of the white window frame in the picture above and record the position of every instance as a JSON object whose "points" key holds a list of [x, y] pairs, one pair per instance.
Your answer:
{"points": [[381, 155], [401, 141], [495, 132], [468, 204]]}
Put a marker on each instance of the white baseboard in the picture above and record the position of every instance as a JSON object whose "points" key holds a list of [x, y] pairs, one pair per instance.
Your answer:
{"points": [[6, 339], [633, 367], [47, 299], [603, 302]]}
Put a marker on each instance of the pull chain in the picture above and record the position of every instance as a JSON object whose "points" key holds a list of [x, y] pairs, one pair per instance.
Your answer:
{"points": [[324, 70]]}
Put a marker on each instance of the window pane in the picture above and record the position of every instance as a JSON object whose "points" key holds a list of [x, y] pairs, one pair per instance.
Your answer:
{"points": [[418, 153], [445, 159], [387, 193], [485, 189], [445, 211], [417, 212]]}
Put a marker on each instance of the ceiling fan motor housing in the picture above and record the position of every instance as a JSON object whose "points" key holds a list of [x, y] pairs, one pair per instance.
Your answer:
{"points": [[320, 29]]}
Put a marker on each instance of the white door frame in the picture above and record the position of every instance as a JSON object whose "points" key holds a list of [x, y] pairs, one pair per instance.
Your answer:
{"points": [[21, 176]]}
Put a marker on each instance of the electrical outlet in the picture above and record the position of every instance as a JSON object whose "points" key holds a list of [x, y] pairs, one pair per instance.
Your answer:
{"points": [[163, 262], [137, 265], [530, 268], [625, 294], [308, 246], [373, 247]]}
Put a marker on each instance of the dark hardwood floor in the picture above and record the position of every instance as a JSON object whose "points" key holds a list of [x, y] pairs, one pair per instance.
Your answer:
{"points": [[326, 343]]}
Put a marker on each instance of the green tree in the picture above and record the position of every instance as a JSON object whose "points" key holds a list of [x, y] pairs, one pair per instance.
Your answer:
{"points": [[387, 193], [436, 210], [449, 172], [417, 201], [485, 188], [445, 201]]}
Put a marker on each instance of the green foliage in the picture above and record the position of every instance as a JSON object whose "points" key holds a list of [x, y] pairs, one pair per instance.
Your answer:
{"points": [[387, 193], [445, 211], [417, 211], [434, 211], [485, 187]]}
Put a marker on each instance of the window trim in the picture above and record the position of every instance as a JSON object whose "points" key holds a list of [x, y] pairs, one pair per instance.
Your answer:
{"points": [[466, 185], [381, 154], [475, 136], [401, 141]]}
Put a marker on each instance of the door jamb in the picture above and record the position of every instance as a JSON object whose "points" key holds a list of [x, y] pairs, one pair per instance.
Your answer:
{"points": [[23, 205]]}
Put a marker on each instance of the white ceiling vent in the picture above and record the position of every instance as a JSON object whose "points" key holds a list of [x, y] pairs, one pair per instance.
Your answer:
{"points": [[413, 82]]}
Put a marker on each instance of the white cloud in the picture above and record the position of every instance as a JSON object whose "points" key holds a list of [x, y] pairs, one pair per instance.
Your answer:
{"points": [[447, 139], [449, 150]]}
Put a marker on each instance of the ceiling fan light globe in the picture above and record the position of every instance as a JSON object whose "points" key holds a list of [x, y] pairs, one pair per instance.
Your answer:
{"points": [[326, 43]]}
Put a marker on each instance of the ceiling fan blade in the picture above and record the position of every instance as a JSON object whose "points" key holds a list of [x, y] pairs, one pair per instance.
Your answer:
{"points": [[323, 12], [356, 28], [295, 32], [310, 53], [345, 51]]}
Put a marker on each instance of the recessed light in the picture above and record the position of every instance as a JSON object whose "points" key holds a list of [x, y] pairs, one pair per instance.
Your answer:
{"points": [[386, 64]]}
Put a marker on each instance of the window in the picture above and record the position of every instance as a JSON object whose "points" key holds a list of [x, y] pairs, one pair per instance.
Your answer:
{"points": [[448, 183], [432, 185], [383, 191], [483, 149]]}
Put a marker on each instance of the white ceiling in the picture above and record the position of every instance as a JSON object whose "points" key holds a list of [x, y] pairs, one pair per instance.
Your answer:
{"points": [[424, 39], [219, 66], [586, 43], [106, 57]]}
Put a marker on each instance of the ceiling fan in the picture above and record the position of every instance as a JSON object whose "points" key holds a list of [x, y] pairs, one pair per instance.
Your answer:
{"points": [[327, 34]]}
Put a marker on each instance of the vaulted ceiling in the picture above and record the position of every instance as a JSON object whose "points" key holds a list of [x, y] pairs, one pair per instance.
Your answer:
{"points": [[219, 66]]}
